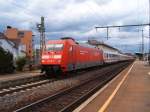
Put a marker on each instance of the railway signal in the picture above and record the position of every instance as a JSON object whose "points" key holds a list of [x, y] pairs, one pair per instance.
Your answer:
{"points": [[41, 29]]}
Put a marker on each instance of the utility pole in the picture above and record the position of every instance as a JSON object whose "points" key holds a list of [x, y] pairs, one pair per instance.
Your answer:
{"points": [[142, 43], [107, 32], [121, 26], [41, 29], [149, 35], [130, 25]]}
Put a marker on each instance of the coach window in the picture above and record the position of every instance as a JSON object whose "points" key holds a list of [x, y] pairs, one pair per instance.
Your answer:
{"points": [[107, 55]]}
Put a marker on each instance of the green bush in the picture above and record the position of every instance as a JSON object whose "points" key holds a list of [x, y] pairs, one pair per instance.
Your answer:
{"points": [[6, 61], [21, 61]]}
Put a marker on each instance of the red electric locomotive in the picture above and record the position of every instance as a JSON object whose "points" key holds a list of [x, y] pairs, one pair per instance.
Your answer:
{"points": [[67, 55]]}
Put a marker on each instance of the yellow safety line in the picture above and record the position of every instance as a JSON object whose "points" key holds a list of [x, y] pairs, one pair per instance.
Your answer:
{"points": [[105, 105]]}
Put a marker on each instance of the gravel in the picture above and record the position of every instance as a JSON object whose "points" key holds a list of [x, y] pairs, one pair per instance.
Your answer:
{"points": [[13, 101]]}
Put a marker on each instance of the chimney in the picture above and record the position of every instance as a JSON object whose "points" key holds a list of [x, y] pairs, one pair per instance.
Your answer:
{"points": [[9, 27]]}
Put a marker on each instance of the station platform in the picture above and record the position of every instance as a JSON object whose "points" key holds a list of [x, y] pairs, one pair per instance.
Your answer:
{"points": [[19, 75], [128, 92]]}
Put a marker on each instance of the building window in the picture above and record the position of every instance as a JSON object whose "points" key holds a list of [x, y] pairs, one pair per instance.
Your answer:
{"points": [[21, 34]]}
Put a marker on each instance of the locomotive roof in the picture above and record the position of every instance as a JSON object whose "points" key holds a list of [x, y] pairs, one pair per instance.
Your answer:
{"points": [[84, 44], [65, 38]]}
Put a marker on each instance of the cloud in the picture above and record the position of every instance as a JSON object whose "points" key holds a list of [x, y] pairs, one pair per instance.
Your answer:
{"points": [[77, 18]]}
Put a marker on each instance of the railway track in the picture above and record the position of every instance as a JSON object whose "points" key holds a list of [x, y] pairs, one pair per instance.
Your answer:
{"points": [[38, 81], [29, 84], [23, 87], [67, 100], [20, 81]]}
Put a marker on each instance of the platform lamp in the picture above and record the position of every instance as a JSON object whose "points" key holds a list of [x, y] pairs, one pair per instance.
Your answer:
{"points": [[149, 35]]}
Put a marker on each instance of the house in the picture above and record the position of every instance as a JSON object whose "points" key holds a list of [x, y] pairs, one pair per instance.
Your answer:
{"points": [[105, 47], [21, 38], [10, 46]]}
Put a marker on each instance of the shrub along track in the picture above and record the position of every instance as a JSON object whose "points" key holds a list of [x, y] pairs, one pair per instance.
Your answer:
{"points": [[68, 99]]}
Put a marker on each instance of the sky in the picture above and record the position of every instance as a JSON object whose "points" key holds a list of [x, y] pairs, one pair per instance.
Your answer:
{"points": [[78, 19]]}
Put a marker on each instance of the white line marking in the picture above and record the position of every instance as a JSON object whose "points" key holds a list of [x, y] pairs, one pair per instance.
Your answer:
{"points": [[106, 104], [148, 73], [96, 94]]}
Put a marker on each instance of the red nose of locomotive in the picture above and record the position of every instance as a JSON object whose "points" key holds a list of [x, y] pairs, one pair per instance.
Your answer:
{"points": [[53, 55], [51, 58]]}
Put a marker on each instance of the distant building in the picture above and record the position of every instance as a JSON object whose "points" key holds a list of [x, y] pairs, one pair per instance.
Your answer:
{"points": [[104, 47], [21, 38]]}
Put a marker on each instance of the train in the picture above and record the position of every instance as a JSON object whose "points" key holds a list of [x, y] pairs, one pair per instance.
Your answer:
{"points": [[65, 55]]}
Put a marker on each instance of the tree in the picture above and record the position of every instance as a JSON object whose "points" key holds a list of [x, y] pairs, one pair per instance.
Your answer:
{"points": [[6, 61], [21, 61]]}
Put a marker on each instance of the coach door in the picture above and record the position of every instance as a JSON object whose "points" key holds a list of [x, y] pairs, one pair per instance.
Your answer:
{"points": [[73, 57], [74, 60]]}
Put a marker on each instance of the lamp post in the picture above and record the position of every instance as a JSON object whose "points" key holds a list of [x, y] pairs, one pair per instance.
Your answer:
{"points": [[149, 35]]}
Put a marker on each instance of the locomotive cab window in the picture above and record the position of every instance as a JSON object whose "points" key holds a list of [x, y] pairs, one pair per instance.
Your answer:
{"points": [[54, 47]]}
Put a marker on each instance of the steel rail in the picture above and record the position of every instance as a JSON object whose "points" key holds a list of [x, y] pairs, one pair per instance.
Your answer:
{"points": [[62, 93]]}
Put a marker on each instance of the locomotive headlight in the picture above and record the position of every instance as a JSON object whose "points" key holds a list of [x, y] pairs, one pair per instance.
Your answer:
{"points": [[45, 56], [57, 56], [43, 61]]}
